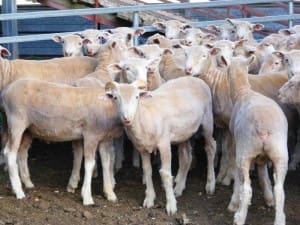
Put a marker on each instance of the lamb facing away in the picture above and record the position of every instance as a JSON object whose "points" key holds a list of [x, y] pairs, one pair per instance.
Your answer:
{"points": [[289, 93], [60, 70], [259, 127], [58, 112], [150, 127]]}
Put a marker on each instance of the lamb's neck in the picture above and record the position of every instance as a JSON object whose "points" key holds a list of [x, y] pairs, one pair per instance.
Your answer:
{"points": [[6, 72], [239, 84], [136, 131], [213, 76]]}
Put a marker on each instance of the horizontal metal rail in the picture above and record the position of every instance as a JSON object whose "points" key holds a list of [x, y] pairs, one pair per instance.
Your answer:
{"points": [[134, 9], [126, 9]]}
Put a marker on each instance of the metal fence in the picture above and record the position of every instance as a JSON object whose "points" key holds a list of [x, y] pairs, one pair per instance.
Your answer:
{"points": [[290, 16]]}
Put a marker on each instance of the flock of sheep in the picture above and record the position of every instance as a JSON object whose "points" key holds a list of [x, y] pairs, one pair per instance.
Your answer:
{"points": [[247, 90]]}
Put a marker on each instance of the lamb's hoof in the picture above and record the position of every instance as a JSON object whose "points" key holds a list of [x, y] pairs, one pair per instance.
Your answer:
{"points": [[292, 167], [232, 207], [70, 189], [226, 181], [270, 202], [88, 202], [29, 185], [171, 207], [148, 203], [20, 195], [111, 197], [178, 190], [210, 188]]}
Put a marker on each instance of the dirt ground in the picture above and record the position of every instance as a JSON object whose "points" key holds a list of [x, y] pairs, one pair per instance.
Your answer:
{"points": [[49, 203]]}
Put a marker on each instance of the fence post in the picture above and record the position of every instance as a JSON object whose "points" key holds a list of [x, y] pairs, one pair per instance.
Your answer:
{"points": [[291, 12], [10, 28], [135, 24]]}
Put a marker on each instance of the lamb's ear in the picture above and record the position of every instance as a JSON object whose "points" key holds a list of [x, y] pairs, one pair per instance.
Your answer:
{"points": [[210, 29], [139, 32], [230, 21], [145, 94], [153, 64], [286, 32], [140, 84], [79, 34], [159, 25], [257, 26], [186, 26], [279, 55], [108, 91], [215, 51], [134, 50], [168, 51], [4, 51], [58, 39], [241, 43], [250, 59], [110, 86], [114, 68], [209, 37], [86, 41]]}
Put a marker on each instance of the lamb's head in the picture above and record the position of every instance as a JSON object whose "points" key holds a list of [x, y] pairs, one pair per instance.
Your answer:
{"points": [[126, 34], [4, 51], [132, 69], [290, 92], [72, 44], [291, 62], [196, 59], [148, 51], [194, 36], [173, 28], [272, 63], [244, 29], [92, 39], [126, 97]]}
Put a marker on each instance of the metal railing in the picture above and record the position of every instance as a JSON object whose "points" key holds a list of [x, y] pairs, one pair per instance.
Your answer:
{"points": [[140, 8]]}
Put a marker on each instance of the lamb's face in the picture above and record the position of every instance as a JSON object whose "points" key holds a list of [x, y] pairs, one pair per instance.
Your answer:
{"points": [[290, 93], [195, 59], [126, 98], [72, 44], [291, 62]]}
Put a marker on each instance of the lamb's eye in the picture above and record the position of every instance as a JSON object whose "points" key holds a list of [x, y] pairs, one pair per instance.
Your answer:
{"points": [[137, 97], [115, 98]]}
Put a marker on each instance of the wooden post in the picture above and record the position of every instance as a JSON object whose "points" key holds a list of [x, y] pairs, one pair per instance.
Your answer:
{"points": [[10, 27]]}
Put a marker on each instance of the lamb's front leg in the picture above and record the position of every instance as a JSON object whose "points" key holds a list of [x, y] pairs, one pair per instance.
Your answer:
{"points": [[185, 160], [166, 177], [147, 177], [90, 145], [105, 149]]}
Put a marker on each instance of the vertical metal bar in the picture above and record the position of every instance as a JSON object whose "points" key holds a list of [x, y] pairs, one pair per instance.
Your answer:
{"points": [[135, 24], [291, 12], [10, 28]]}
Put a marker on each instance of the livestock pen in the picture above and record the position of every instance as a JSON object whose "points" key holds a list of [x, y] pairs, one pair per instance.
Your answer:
{"points": [[50, 164]]}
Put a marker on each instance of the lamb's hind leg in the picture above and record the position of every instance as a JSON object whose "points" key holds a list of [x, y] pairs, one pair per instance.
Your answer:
{"points": [[23, 160], [265, 183], [17, 128], [185, 160], [77, 159], [105, 149], [243, 165], [280, 164], [4, 139], [210, 149]]}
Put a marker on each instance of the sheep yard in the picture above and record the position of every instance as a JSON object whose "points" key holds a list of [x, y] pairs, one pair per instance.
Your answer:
{"points": [[50, 203]]}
